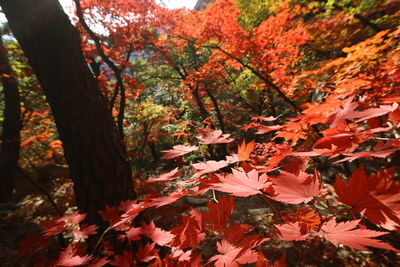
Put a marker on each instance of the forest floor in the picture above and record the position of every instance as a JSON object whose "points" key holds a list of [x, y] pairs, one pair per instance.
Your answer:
{"points": [[24, 217]]}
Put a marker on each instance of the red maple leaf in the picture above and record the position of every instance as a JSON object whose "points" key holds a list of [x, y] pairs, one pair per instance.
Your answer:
{"points": [[232, 256], [357, 238], [110, 214], [378, 204], [162, 201], [133, 233], [177, 151], [52, 227], [266, 129], [242, 184], [235, 233], [208, 166], [295, 189], [147, 253], [261, 118], [382, 187], [74, 218], [214, 137], [227, 256], [84, 231], [166, 176], [340, 115], [190, 233], [180, 255], [336, 141], [219, 213], [124, 260], [291, 232], [375, 112], [69, 258], [159, 236]]}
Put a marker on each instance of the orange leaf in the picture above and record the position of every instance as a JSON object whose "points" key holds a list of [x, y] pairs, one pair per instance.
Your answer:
{"points": [[245, 150]]}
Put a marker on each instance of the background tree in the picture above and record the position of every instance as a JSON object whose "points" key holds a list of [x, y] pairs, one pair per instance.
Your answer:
{"points": [[96, 156], [11, 127]]}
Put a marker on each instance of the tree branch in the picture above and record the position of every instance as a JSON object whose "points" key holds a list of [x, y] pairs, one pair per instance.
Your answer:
{"points": [[259, 75], [120, 84]]}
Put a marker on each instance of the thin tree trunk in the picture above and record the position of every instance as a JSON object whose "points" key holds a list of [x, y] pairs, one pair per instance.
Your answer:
{"points": [[203, 112], [96, 156], [10, 136], [221, 150], [218, 112], [153, 150]]}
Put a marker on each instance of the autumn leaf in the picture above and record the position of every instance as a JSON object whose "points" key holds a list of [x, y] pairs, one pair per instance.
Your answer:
{"points": [[378, 206], [242, 184], [379, 154], [235, 234], [291, 232], [340, 115], [178, 150], [133, 233], [208, 166], [123, 260], [375, 112], [190, 233], [110, 214], [261, 118], [356, 238], [159, 236], [227, 256], [147, 253], [232, 255], [84, 231], [385, 189], [166, 176], [69, 258], [244, 150], [214, 137], [180, 255], [74, 218], [246, 257], [171, 198], [295, 189], [266, 129], [52, 227], [218, 213]]}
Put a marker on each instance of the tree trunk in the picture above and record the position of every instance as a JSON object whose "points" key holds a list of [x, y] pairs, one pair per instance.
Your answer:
{"points": [[203, 112], [97, 158], [218, 112], [10, 137]]}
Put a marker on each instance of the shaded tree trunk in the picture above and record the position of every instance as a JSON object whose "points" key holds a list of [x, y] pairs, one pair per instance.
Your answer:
{"points": [[153, 150], [222, 150], [10, 136], [203, 112], [96, 156], [218, 112]]}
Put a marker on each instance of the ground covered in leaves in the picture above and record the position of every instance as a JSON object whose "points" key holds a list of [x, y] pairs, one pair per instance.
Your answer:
{"points": [[23, 218]]}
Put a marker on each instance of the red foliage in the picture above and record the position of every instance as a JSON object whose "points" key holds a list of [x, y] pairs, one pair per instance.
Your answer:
{"points": [[357, 118]]}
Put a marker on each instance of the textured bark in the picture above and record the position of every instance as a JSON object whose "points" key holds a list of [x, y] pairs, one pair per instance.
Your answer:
{"points": [[10, 136], [203, 112], [97, 158]]}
